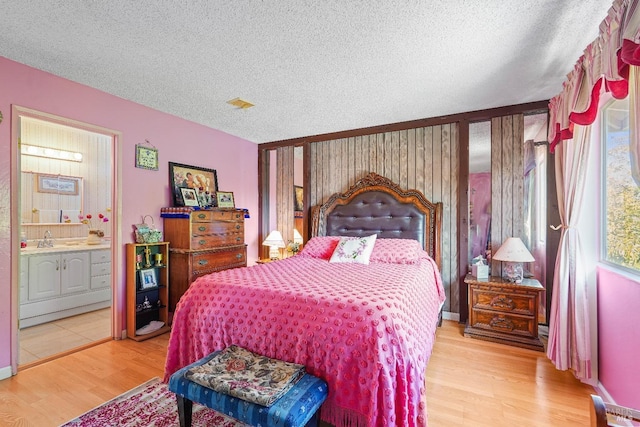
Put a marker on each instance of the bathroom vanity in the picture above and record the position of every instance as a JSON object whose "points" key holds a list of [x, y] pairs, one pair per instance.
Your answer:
{"points": [[63, 281]]}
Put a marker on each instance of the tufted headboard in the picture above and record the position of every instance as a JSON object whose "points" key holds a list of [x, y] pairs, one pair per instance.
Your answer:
{"points": [[375, 205]]}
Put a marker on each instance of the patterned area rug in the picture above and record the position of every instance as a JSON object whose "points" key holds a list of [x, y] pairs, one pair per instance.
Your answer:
{"points": [[150, 404]]}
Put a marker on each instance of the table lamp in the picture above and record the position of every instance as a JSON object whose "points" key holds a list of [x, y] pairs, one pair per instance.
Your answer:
{"points": [[275, 241], [513, 252], [297, 237]]}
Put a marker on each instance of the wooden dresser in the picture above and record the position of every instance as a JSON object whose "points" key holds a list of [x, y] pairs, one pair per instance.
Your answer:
{"points": [[504, 312], [202, 242]]}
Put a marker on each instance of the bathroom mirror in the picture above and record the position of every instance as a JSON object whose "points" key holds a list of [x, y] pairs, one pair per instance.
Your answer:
{"points": [[530, 200], [50, 199], [479, 189]]}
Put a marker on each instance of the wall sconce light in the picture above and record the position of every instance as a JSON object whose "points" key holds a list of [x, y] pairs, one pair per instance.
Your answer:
{"points": [[50, 153], [513, 252], [275, 241]]}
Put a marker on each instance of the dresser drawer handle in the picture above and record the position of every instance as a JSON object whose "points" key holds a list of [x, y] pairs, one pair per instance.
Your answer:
{"points": [[238, 227], [239, 256], [503, 302], [203, 262], [202, 228], [501, 323], [202, 242], [238, 239], [201, 216]]}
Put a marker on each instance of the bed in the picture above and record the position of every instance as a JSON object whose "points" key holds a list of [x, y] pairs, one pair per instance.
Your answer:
{"points": [[366, 328]]}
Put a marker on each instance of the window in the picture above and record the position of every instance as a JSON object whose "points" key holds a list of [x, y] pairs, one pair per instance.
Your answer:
{"points": [[621, 193]]}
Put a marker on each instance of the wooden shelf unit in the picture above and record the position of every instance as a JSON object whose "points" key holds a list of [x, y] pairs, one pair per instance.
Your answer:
{"points": [[158, 295]]}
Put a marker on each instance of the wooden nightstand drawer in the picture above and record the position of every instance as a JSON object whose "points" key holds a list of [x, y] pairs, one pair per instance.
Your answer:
{"points": [[499, 300], [503, 322], [504, 312]]}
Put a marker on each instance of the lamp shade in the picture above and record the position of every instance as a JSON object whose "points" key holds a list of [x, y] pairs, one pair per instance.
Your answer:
{"points": [[297, 237], [274, 239], [513, 250]]}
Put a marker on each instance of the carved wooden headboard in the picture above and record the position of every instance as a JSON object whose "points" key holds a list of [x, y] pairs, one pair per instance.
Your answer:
{"points": [[375, 205]]}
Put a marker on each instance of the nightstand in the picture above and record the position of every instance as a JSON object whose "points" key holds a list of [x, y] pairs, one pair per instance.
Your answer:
{"points": [[265, 260], [504, 312]]}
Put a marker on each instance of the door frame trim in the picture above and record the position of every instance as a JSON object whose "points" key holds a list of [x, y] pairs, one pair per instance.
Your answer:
{"points": [[117, 295]]}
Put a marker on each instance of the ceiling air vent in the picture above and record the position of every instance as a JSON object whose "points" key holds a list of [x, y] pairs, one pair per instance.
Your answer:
{"points": [[240, 103]]}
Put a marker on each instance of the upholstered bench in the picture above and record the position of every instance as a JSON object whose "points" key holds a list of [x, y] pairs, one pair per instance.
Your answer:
{"points": [[297, 408]]}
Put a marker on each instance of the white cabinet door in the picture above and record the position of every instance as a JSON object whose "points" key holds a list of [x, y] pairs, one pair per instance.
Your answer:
{"points": [[74, 272], [44, 276]]}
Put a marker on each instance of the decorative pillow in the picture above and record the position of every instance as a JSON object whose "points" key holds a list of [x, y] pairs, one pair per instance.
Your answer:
{"points": [[320, 247], [354, 249], [397, 251]]}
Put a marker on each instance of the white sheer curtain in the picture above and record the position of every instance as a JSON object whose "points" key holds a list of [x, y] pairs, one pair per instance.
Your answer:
{"points": [[569, 336]]}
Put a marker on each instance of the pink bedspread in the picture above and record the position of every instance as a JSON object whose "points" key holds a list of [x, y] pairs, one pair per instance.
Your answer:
{"points": [[368, 330]]}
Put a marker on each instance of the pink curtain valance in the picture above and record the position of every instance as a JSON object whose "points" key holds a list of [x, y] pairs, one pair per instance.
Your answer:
{"points": [[604, 66]]}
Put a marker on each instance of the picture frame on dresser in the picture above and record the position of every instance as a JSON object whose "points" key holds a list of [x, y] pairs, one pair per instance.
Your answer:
{"points": [[225, 199], [194, 177], [189, 196]]}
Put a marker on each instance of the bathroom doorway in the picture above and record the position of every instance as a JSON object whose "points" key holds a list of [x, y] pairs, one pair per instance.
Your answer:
{"points": [[65, 179]]}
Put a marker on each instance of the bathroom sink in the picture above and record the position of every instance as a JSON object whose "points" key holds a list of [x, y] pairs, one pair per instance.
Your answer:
{"points": [[62, 246]]}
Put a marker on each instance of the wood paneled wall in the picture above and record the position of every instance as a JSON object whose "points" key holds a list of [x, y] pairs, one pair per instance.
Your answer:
{"points": [[424, 158], [507, 182]]}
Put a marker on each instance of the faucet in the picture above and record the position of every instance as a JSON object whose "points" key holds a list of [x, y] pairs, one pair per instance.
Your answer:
{"points": [[47, 241]]}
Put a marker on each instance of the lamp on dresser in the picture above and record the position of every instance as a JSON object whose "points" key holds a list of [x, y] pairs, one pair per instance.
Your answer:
{"points": [[275, 241], [513, 253]]}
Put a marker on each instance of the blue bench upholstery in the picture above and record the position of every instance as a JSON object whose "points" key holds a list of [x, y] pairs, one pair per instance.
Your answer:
{"points": [[298, 408]]}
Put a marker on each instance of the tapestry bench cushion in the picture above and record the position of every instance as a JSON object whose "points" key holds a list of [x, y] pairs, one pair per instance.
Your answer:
{"points": [[295, 409]]}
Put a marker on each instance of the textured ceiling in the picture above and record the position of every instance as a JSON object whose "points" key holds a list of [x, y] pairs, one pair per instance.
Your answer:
{"points": [[310, 67]]}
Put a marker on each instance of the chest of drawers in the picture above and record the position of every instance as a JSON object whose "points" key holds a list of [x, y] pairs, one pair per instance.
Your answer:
{"points": [[203, 242], [504, 312]]}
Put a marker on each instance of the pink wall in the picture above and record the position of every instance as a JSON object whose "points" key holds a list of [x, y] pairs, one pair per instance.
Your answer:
{"points": [[619, 337], [143, 191]]}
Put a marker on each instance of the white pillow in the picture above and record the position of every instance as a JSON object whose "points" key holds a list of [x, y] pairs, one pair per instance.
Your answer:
{"points": [[354, 249]]}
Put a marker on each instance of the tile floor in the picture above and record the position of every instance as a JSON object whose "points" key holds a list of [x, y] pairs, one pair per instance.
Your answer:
{"points": [[47, 339]]}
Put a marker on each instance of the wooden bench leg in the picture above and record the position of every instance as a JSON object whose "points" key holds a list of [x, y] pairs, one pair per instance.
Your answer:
{"points": [[185, 406]]}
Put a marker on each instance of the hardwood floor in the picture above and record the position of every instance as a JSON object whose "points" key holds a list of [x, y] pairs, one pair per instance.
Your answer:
{"points": [[469, 383]]}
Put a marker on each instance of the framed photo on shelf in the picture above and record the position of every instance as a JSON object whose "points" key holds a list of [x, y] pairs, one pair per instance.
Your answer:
{"points": [[189, 196], [148, 278], [194, 177], [225, 199]]}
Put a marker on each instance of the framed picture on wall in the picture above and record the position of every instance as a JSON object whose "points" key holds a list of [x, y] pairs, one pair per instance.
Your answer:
{"points": [[57, 184], [298, 198], [194, 177]]}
